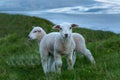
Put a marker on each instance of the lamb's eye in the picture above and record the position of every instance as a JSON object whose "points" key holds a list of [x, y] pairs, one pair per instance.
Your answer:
{"points": [[34, 31], [70, 27]]}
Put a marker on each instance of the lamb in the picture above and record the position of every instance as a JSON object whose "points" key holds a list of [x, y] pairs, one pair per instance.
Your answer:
{"points": [[38, 33], [59, 43]]}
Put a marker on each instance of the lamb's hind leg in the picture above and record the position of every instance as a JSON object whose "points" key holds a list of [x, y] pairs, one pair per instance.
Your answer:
{"points": [[81, 48], [88, 54]]}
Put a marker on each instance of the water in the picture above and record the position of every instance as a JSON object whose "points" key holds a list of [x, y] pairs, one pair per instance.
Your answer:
{"points": [[93, 14]]}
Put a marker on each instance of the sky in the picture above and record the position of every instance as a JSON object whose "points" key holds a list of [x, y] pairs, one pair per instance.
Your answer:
{"points": [[63, 6], [93, 14]]}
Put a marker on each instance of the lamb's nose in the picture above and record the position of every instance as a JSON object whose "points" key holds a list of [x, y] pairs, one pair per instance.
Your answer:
{"points": [[66, 35]]}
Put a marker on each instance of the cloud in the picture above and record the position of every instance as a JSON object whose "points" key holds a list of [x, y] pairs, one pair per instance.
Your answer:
{"points": [[96, 9], [115, 2], [101, 0]]}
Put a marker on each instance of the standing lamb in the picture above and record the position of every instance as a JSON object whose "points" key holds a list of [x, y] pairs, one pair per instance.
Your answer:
{"points": [[59, 44]]}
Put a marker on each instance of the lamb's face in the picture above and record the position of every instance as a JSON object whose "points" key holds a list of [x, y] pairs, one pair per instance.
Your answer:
{"points": [[65, 29], [35, 32]]}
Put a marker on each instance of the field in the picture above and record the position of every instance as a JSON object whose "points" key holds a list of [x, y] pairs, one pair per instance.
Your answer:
{"points": [[20, 59]]}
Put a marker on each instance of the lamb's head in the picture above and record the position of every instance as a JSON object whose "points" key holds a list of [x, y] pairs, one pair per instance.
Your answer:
{"points": [[36, 33], [65, 29]]}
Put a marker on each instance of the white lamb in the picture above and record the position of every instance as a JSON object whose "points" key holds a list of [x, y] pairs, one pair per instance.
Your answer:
{"points": [[60, 43], [38, 33]]}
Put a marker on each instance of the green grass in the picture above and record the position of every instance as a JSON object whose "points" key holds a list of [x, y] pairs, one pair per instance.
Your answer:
{"points": [[19, 57]]}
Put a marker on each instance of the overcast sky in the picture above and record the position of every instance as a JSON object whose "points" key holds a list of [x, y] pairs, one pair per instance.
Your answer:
{"points": [[101, 6], [59, 11]]}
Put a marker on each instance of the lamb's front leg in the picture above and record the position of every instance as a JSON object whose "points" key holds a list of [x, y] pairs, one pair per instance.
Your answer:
{"points": [[70, 60], [44, 65], [58, 62], [51, 64], [44, 60]]}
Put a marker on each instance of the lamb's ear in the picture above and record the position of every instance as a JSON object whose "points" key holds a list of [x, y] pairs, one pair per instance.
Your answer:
{"points": [[56, 27], [74, 25]]}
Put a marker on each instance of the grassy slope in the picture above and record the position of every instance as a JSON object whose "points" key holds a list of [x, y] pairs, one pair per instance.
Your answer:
{"points": [[19, 57]]}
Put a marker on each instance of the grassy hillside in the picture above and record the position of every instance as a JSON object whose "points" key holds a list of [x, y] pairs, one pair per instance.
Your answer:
{"points": [[19, 57]]}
